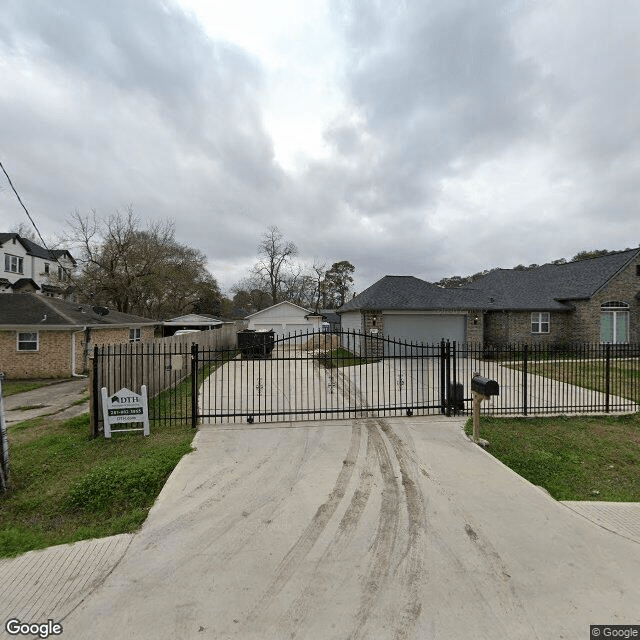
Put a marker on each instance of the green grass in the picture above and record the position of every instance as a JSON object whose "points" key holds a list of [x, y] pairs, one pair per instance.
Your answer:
{"points": [[573, 458], [624, 375], [342, 358], [66, 487]]}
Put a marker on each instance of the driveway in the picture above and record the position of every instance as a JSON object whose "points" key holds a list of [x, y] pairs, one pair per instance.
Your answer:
{"points": [[372, 528], [295, 386]]}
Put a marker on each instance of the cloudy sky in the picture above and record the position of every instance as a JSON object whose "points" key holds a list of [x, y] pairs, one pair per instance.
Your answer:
{"points": [[415, 137]]}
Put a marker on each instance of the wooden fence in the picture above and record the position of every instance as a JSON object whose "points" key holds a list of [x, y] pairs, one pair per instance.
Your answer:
{"points": [[159, 364]]}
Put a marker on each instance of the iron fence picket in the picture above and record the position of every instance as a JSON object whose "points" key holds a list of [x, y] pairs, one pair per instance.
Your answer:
{"points": [[374, 373]]}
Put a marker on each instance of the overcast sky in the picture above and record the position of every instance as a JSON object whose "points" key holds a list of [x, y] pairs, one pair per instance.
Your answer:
{"points": [[416, 137]]}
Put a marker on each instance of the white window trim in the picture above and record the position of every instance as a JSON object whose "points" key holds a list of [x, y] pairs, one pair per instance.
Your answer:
{"points": [[19, 263], [537, 320], [135, 334], [18, 341]]}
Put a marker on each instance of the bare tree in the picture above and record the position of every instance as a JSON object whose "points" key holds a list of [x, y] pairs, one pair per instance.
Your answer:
{"points": [[25, 231], [274, 253], [141, 270]]}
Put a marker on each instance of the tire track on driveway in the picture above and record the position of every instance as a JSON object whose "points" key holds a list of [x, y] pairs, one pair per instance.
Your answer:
{"points": [[288, 566], [411, 569], [320, 583], [385, 538]]}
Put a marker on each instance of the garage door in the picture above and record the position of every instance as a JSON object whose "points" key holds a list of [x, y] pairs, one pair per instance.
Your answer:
{"points": [[425, 328]]}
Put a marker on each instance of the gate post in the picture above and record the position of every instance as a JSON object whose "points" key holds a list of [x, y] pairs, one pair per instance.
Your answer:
{"points": [[442, 377], [194, 385], [607, 375], [525, 390]]}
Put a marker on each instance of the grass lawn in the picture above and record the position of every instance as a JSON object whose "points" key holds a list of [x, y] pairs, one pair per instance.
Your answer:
{"points": [[66, 487], [624, 375], [573, 458], [342, 358]]}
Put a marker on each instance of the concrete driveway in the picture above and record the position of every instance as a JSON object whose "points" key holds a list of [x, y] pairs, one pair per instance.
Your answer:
{"points": [[296, 387], [372, 528]]}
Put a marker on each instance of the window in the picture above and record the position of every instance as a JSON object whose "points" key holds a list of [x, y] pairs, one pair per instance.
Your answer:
{"points": [[28, 341], [12, 264], [614, 322], [46, 268], [61, 274], [134, 335], [540, 322]]}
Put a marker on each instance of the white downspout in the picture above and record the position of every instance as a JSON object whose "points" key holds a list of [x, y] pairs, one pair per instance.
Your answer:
{"points": [[73, 354]]}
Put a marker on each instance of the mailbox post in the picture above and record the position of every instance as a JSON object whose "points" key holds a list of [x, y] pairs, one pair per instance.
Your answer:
{"points": [[483, 389]]}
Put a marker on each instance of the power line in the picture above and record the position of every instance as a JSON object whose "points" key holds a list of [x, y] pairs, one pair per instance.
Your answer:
{"points": [[44, 244]]}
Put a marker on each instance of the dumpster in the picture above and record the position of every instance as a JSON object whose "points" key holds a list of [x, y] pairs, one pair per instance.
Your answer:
{"points": [[255, 344]]}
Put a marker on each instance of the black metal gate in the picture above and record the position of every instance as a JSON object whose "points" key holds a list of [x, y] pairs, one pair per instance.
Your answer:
{"points": [[306, 376]]}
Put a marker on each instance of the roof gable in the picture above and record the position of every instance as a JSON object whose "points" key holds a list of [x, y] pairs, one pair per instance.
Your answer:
{"points": [[36, 250], [278, 307]]}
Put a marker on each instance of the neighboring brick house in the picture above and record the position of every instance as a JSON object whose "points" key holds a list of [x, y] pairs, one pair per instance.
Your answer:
{"points": [[42, 337], [28, 268], [594, 300]]}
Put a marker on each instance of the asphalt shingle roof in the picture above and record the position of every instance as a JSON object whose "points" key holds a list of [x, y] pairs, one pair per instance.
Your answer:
{"points": [[550, 286], [34, 309], [545, 288], [412, 294]]}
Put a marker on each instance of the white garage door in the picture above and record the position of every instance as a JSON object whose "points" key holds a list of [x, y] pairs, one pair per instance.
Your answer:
{"points": [[425, 328]]}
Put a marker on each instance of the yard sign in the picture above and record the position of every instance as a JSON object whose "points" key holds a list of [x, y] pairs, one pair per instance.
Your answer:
{"points": [[125, 406]]}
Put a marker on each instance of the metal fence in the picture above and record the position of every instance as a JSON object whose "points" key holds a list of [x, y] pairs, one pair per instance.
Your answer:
{"points": [[558, 378], [307, 376], [163, 365], [347, 374]]}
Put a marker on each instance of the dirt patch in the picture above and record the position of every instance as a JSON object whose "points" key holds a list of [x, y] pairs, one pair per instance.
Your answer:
{"points": [[325, 341]]}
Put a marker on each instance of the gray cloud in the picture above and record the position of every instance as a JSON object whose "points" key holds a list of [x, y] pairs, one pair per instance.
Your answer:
{"points": [[474, 134]]}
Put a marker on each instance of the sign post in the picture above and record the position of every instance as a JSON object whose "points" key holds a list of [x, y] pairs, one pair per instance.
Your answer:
{"points": [[124, 407]]}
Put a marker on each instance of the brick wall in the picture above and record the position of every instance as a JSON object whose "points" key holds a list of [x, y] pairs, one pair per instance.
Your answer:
{"points": [[111, 335], [475, 327], [580, 325], [504, 327], [623, 288], [52, 360], [373, 344]]}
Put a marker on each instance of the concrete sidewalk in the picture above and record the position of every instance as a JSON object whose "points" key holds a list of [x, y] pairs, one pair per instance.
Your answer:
{"points": [[62, 400], [369, 528]]}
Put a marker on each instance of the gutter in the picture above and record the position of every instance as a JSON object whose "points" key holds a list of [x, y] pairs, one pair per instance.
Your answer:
{"points": [[73, 354]]}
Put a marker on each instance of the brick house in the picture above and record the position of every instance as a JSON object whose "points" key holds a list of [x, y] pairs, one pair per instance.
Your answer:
{"points": [[45, 337], [594, 300], [29, 268]]}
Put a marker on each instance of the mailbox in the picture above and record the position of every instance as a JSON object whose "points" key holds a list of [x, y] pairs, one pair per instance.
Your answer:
{"points": [[484, 386]]}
